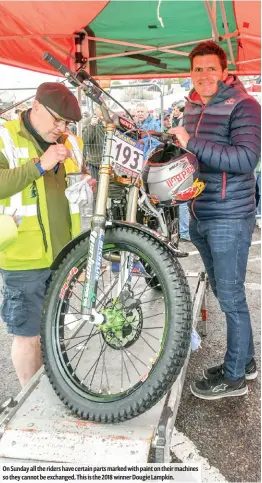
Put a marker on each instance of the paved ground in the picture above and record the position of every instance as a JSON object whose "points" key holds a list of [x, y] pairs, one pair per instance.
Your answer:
{"points": [[227, 433]]}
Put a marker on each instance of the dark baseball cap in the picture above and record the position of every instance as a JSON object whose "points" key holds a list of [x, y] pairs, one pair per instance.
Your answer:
{"points": [[60, 99]]}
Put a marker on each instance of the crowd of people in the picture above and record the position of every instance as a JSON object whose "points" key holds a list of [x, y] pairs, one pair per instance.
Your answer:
{"points": [[220, 124]]}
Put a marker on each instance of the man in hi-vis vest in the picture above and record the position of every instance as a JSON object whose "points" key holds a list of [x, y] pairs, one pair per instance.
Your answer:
{"points": [[36, 154]]}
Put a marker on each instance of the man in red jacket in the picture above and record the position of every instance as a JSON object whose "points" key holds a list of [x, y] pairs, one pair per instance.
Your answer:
{"points": [[222, 128]]}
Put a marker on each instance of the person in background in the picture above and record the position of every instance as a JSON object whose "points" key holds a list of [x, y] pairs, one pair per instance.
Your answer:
{"points": [[147, 123], [93, 138], [184, 217], [157, 114], [222, 127], [167, 121], [177, 113], [36, 154], [144, 120], [133, 114]]}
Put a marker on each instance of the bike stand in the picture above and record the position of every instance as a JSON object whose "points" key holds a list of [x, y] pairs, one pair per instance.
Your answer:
{"points": [[37, 427]]}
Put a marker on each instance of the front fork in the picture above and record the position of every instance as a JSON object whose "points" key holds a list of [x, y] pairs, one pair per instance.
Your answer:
{"points": [[98, 224], [127, 261]]}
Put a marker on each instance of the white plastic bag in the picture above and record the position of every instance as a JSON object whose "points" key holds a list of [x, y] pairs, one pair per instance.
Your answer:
{"points": [[195, 340], [81, 193]]}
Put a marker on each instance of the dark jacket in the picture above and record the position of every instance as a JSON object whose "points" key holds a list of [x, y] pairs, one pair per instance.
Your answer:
{"points": [[225, 137], [93, 139]]}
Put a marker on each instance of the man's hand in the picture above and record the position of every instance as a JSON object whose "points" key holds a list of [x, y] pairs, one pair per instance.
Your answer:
{"points": [[56, 153], [181, 134], [91, 182]]}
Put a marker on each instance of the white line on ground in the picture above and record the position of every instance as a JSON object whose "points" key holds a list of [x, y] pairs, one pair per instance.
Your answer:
{"points": [[254, 259], [257, 242], [187, 452]]}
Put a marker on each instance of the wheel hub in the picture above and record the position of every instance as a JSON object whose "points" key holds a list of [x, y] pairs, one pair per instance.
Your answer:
{"points": [[121, 328]]}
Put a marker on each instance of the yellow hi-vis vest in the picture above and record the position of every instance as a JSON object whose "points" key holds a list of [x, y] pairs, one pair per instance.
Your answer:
{"points": [[32, 249]]}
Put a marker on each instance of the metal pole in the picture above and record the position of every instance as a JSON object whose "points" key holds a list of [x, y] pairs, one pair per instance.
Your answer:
{"points": [[229, 43], [211, 20]]}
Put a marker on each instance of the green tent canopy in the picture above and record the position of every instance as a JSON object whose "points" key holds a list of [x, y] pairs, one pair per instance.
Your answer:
{"points": [[128, 39]]}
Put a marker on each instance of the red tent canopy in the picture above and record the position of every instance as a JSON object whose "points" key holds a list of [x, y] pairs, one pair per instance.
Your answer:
{"points": [[125, 39]]}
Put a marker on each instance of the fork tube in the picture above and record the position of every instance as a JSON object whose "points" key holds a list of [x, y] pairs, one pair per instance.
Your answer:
{"points": [[132, 204], [98, 223], [104, 173], [126, 260]]}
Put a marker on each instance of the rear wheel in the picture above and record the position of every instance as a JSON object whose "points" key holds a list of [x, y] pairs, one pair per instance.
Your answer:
{"points": [[121, 368]]}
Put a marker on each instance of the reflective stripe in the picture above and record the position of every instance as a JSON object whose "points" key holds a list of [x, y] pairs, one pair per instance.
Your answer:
{"points": [[76, 151], [16, 201], [9, 150], [17, 208], [22, 152], [29, 210]]}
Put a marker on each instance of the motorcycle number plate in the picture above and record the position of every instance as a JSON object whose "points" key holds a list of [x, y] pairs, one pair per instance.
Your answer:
{"points": [[126, 155]]}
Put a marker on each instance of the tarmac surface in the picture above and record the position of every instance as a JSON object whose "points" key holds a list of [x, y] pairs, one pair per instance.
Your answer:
{"points": [[226, 432]]}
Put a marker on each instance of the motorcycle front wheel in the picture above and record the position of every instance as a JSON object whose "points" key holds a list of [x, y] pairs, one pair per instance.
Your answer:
{"points": [[119, 369]]}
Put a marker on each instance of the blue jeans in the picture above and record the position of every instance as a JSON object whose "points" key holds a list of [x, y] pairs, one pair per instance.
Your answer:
{"points": [[224, 246], [184, 221]]}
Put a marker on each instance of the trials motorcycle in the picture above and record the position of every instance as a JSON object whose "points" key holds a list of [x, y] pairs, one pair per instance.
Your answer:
{"points": [[112, 345]]}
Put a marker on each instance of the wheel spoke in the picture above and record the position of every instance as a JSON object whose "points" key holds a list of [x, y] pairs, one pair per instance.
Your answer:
{"points": [[147, 343], [126, 353], [153, 337], [103, 349], [88, 339]]}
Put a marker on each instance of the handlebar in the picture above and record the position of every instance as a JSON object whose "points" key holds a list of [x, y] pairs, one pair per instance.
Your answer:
{"points": [[161, 136], [93, 91]]}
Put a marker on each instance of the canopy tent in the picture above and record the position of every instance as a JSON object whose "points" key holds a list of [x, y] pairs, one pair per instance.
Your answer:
{"points": [[128, 39]]}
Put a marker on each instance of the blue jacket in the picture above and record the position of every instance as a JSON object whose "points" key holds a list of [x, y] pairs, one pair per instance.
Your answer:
{"points": [[225, 137], [149, 124]]}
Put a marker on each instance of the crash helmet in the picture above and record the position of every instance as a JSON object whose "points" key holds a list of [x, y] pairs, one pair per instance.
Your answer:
{"points": [[170, 175]]}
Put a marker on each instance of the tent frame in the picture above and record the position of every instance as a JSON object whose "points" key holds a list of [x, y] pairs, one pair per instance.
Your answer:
{"points": [[88, 62]]}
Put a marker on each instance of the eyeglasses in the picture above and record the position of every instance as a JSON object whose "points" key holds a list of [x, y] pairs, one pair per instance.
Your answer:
{"points": [[58, 120]]}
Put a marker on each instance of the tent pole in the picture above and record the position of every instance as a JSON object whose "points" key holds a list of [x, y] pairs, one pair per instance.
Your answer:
{"points": [[211, 20], [243, 35], [214, 15], [46, 39], [78, 63], [123, 54], [229, 43], [248, 61], [184, 44]]}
